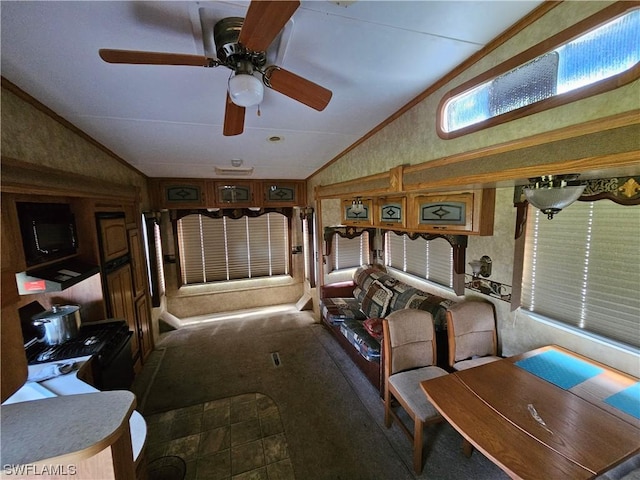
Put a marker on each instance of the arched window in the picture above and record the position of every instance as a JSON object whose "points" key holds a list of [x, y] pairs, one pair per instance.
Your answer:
{"points": [[596, 55]]}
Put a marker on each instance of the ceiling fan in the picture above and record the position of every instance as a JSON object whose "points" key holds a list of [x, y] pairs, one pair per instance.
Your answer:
{"points": [[241, 44]]}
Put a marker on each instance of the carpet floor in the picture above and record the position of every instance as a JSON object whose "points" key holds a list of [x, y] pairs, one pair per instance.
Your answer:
{"points": [[331, 417]]}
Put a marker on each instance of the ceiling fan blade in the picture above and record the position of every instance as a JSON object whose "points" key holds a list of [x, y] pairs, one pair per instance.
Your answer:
{"points": [[263, 22], [154, 58], [298, 88], [233, 119]]}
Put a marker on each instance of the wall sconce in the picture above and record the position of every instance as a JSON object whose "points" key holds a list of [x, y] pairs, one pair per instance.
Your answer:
{"points": [[481, 267], [552, 193], [356, 206]]}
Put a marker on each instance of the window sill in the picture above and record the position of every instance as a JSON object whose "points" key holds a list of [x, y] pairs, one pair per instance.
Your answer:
{"points": [[580, 333], [235, 286]]}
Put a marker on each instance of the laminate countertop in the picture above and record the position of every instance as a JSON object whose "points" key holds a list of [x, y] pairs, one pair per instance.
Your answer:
{"points": [[62, 389], [63, 428]]}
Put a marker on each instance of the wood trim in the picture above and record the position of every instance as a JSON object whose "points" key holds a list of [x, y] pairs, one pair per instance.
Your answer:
{"points": [[594, 126], [28, 178], [523, 23], [18, 92], [379, 183], [597, 163]]}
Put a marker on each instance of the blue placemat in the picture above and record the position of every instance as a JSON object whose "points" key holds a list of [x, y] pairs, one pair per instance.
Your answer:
{"points": [[564, 371], [627, 400]]}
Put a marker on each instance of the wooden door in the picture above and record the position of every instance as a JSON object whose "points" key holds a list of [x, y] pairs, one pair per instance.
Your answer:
{"points": [[144, 326], [137, 262], [120, 293]]}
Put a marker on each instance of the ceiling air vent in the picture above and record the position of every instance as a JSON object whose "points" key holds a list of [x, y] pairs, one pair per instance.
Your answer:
{"points": [[235, 169]]}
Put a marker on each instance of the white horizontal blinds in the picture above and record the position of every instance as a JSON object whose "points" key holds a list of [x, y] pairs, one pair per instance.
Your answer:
{"points": [[157, 239], [278, 243], [220, 249], [236, 233], [259, 247], [394, 250], [440, 261], [613, 269], [191, 249], [416, 257], [350, 252], [214, 249], [582, 268], [431, 260]]}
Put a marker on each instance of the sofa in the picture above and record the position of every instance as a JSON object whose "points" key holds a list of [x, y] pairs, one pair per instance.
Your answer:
{"points": [[352, 311]]}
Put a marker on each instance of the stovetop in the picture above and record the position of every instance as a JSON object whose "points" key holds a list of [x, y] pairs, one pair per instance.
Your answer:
{"points": [[103, 339]]}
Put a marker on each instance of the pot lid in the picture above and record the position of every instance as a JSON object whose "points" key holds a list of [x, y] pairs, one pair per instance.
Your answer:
{"points": [[56, 311]]}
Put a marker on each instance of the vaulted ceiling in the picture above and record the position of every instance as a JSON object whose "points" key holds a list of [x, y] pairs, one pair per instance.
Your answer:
{"points": [[167, 121]]}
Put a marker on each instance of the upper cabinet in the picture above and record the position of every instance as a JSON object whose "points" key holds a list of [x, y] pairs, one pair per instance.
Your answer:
{"points": [[234, 194], [227, 193], [390, 212], [282, 194], [358, 212], [112, 236], [189, 193], [468, 213]]}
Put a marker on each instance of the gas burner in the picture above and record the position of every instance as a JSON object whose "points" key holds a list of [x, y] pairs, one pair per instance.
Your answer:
{"points": [[46, 355], [92, 340]]}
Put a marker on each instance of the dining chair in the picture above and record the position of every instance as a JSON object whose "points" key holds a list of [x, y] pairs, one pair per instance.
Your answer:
{"points": [[471, 333], [409, 358]]}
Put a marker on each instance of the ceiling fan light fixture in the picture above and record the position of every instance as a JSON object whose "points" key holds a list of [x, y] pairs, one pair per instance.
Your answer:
{"points": [[551, 193], [245, 90]]}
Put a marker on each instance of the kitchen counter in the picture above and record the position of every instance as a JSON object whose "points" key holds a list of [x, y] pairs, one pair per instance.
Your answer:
{"points": [[34, 426], [71, 385]]}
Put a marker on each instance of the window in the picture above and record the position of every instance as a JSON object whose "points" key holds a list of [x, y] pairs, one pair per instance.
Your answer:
{"points": [[583, 269], [221, 249], [350, 252], [599, 54], [431, 260]]}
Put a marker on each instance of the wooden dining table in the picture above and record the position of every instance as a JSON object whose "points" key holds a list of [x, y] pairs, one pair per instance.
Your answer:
{"points": [[547, 413]]}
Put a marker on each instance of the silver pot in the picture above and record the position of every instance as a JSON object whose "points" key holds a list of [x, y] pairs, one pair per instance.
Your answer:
{"points": [[59, 324]]}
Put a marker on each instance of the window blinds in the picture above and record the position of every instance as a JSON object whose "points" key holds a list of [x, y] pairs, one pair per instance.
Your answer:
{"points": [[350, 252], [431, 260], [220, 249], [583, 268]]}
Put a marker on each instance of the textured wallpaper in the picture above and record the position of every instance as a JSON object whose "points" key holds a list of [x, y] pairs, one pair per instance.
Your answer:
{"points": [[32, 136]]}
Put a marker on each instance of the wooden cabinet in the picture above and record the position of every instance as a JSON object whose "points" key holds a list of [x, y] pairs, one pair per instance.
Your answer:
{"points": [[234, 194], [119, 289], [390, 212], [465, 212], [281, 194], [357, 212], [113, 236], [181, 193]]}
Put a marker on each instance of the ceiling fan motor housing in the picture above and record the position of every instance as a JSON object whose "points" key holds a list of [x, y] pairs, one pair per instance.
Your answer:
{"points": [[231, 53]]}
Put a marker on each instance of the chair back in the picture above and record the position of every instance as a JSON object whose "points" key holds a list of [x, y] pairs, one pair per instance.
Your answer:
{"points": [[471, 328], [408, 340]]}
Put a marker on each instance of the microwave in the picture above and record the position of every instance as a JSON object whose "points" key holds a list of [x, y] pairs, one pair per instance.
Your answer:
{"points": [[48, 231]]}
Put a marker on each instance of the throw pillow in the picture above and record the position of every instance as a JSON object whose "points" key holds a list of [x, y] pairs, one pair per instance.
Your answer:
{"points": [[374, 327], [376, 300]]}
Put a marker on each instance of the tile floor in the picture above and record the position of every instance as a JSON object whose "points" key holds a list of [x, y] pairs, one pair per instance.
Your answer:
{"points": [[237, 438]]}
